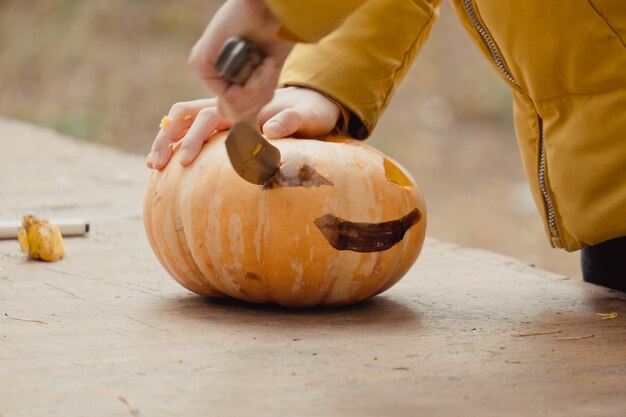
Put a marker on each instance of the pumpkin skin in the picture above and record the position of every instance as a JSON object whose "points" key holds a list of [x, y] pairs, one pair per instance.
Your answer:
{"points": [[340, 222]]}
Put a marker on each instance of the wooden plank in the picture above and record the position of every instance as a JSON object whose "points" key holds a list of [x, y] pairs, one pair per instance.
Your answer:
{"points": [[121, 338]]}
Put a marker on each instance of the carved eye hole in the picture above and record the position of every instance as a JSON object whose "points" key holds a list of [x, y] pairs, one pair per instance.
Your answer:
{"points": [[293, 175], [395, 174]]}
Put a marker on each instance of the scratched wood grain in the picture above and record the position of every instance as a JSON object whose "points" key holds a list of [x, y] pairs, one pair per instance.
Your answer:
{"points": [[465, 333]]}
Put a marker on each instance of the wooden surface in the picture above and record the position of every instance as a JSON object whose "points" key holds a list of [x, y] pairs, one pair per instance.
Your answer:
{"points": [[120, 338]]}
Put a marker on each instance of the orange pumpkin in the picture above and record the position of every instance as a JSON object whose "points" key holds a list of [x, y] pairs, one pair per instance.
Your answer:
{"points": [[338, 223]]}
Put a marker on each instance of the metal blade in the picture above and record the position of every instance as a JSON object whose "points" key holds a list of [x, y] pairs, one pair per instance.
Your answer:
{"points": [[252, 156]]}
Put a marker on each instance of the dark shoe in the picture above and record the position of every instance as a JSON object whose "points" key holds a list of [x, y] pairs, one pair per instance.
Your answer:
{"points": [[605, 264]]}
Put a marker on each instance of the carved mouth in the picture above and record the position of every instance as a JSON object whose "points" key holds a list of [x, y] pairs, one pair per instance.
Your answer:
{"points": [[365, 237]]}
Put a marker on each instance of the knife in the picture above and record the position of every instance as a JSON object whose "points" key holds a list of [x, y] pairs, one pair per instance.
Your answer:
{"points": [[251, 155]]}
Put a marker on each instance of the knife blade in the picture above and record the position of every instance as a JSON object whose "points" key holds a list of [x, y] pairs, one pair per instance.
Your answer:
{"points": [[252, 156]]}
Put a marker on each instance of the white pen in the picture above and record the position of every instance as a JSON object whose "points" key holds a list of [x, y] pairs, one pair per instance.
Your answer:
{"points": [[68, 227]]}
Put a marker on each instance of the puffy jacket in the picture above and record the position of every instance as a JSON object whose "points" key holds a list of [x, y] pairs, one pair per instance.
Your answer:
{"points": [[564, 61]]}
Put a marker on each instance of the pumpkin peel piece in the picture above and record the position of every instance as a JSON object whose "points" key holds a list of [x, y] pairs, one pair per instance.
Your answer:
{"points": [[41, 239], [165, 122]]}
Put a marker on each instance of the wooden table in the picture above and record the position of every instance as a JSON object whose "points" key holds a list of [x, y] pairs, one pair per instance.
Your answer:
{"points": [[118, 337]]}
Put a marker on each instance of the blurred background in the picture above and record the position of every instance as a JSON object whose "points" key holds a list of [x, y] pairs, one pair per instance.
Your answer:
{"points": [[106, 71]]}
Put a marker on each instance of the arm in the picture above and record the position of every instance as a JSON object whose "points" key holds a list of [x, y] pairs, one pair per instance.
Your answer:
{"points": [[274, 26], [309, 21], [294, 111], [360, 64], [377, 66]]}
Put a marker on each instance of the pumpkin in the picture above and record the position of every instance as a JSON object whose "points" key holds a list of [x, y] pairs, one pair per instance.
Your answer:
{"points": [[338, 223]]}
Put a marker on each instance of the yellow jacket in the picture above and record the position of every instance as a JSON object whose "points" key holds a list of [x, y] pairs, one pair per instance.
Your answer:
{"points": [[564, 61]]}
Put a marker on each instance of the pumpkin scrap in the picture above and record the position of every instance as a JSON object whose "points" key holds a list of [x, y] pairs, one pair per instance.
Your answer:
{"points": [[165, 122], [41, 239], [257, 148]]}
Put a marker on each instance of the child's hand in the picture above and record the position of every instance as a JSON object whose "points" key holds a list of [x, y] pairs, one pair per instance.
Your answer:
{"points": [[194, 122], [292, 112], [251, 20], [299, 112]]}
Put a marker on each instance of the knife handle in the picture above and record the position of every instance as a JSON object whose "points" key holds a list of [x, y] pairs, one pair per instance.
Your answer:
{"points": [[237, 60]]}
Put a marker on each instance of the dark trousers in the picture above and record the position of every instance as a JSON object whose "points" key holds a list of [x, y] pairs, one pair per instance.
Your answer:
{"points": [[605, 264]]}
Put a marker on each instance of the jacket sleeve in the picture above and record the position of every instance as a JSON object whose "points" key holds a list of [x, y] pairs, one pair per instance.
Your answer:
{"points": [[360, 64], [309, 21]]}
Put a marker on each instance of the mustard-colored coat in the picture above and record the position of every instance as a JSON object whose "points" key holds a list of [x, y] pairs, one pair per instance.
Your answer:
{"points": [[564, 61]]}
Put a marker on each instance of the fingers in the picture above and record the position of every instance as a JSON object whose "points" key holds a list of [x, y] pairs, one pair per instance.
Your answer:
{"points": [[173, 127], [293, 111], [206, 123], [244, 102], [284, 124], [250, 20], [299, 112], [201, 63]]}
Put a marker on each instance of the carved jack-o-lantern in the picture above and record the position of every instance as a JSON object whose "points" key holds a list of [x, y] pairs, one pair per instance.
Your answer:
{"points": [[338, 223]]}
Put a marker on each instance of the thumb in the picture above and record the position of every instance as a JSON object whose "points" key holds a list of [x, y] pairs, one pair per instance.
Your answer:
{"points": [[283, 124]]}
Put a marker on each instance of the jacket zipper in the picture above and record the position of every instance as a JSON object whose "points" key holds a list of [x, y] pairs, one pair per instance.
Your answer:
{"points": [[497, 58], [495, 54], [554, 232]]}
